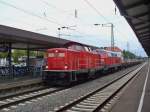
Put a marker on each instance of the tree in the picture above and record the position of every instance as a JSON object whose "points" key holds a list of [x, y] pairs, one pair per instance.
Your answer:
{"points": [[18, 53], [3, 54], [128, 54]]}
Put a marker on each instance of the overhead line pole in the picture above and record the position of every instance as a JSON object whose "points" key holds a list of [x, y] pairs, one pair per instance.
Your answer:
{"points": [[112, 37], [112, 33]]}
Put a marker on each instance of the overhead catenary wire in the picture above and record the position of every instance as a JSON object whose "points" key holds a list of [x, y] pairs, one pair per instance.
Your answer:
{"points": [[45, 18], [53, 6], [29, 13], [65, 12], [102, 16], [97, 11], [36, 15], [33, 14]]}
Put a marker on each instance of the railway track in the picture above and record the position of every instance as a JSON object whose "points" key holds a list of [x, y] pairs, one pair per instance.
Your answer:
{"points": [[20, 87], [96, 100], [22, 92], [19, 99], [16, 99]]}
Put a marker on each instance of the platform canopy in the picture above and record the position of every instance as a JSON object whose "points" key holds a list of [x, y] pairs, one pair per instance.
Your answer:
{"points": [[137, 14], [21, 39]]}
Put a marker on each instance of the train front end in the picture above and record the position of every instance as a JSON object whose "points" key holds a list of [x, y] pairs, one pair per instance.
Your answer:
{"points": [[57, 67]]}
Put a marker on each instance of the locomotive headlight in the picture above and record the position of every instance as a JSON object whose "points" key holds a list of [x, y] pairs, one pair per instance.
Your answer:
{"points": [[65, 66], [46, 67]]}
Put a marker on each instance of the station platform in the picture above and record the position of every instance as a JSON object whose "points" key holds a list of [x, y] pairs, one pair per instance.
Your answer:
{"points": [[20, 76], [136, 97], [18, 82]]}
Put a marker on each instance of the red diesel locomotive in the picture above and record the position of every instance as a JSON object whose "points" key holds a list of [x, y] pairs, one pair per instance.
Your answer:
{"points": [[77, 61], [111, 60]]}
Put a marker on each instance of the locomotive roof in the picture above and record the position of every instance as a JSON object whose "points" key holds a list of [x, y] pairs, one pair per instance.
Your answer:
{"points": [[74, 43], [81, 44], [107, 51]]}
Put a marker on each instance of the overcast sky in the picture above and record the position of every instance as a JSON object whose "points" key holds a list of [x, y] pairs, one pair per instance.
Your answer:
{"points": [[46, 16]]}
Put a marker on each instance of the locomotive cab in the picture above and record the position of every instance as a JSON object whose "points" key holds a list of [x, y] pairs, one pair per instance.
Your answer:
{"points": [[56, 59]]}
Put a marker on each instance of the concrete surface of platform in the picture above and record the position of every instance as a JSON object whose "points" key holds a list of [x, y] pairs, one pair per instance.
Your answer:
{"points": [[135, 98]]}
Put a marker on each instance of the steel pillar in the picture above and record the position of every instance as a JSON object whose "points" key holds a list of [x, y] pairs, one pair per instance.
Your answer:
{"points": [[112, 37], [28, 59], [9, 58]]}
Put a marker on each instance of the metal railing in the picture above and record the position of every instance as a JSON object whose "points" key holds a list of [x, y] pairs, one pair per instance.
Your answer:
{"points": [[17, 72]]}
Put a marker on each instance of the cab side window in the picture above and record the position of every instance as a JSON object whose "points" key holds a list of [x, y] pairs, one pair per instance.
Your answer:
{"points": [[72, 47], [86, 48], [80, 48]]}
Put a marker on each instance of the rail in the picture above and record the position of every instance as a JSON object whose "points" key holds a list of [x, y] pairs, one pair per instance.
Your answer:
{"points": [[16, 99], [95, 100]]}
